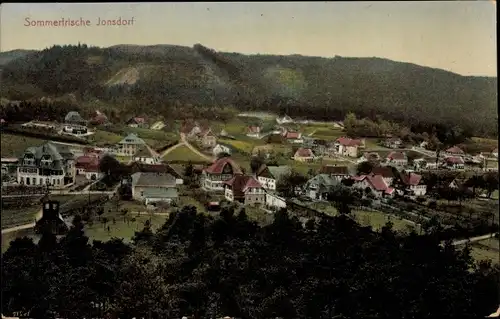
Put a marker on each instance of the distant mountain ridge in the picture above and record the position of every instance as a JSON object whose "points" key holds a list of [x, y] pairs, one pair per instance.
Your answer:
{"points": [[161, 78]]}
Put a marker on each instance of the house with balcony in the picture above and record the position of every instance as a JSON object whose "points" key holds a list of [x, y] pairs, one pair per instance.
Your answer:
{"points": [[207, 138], [244, 189], [222, 170], [45, 165], [397, 159], [411, 184], [129, 146]]}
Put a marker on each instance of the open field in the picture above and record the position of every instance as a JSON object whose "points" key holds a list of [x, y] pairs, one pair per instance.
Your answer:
{"points": [[14, 145], [183, 153], [101, 138], [487, 249]]}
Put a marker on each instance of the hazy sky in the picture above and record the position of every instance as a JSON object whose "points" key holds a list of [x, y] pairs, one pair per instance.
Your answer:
{"points": [[457, 36]]}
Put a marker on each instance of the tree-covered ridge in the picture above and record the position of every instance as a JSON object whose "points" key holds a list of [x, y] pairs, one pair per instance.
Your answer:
{"points": [[314, 87], [205, 267]]}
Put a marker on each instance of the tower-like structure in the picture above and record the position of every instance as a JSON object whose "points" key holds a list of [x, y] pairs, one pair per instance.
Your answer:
{"points": [[51, 220]]}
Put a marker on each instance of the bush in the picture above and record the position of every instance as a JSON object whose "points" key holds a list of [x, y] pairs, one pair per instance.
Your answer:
{"points": [[432, 204]]}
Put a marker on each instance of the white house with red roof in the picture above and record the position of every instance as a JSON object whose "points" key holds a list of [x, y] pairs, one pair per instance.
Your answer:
{"points": [[375, 183], [454, 163], [412, 183], [244, 189], [454, 151], [397, 159], [393, 142], [347, 146], [254, 131], [303, 155], [222, 170]]}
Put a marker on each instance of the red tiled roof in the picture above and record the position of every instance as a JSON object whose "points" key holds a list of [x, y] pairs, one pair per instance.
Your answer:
{"points": [[239, 184], [88, 163], [218, 166], [454, 160], [345, 141], [304, 152], [384, 171], [396, 156], [455, 150], [292, 135], [376, 182], [411, 179]]}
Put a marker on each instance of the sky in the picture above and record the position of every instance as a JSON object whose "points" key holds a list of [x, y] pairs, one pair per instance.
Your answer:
{"points": [[459, 36]]}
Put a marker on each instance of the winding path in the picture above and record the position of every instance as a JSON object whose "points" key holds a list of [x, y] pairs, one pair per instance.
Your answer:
{"points": [[188, 145]]}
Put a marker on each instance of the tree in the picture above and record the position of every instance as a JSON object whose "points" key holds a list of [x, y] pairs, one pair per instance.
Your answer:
{"points": [[364, 168], [256, 162]]}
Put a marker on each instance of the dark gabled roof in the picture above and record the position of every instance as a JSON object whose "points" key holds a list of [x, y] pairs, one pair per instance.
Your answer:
{"points": [[153, 180], [264, 171], [240, 183], [334, 170], [384, 171], [157, 168]]}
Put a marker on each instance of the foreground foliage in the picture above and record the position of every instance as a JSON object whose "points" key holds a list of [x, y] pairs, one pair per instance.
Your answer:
{"points": [[197, 265]]}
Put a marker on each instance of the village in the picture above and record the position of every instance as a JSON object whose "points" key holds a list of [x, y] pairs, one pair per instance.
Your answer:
{"points": [[249, 163]]}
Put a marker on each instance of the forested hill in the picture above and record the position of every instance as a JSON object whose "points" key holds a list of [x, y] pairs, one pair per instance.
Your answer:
{"points": [[168, 78]]}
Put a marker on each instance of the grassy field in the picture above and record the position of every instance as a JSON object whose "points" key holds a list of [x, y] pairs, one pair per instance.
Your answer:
{"points": [[239, 146], [14, 145], [183, 153], [101, 138], [486, 249]]}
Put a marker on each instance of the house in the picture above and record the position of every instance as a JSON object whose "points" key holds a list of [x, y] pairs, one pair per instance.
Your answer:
{"points": [[207, 138], [88, 166], [190, 129], [265, 177], [74, 117], [318, 187], [99, 118], [375, 183], [397, 159], [304, 155], [275, 201], [293, 137], [393, 142], [494, 153], [284, 120], [223, 133], [244, 189], [422, 164], [220, 149], [157, 126], [222, 170], [145, 155], [336, 172], [129, 145], [347, 147], [253, 131], [412, 183], [45, 165], [386, 172], [154, 187], [454, 151], [138, 167], [136, 122], [454, 162]]}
